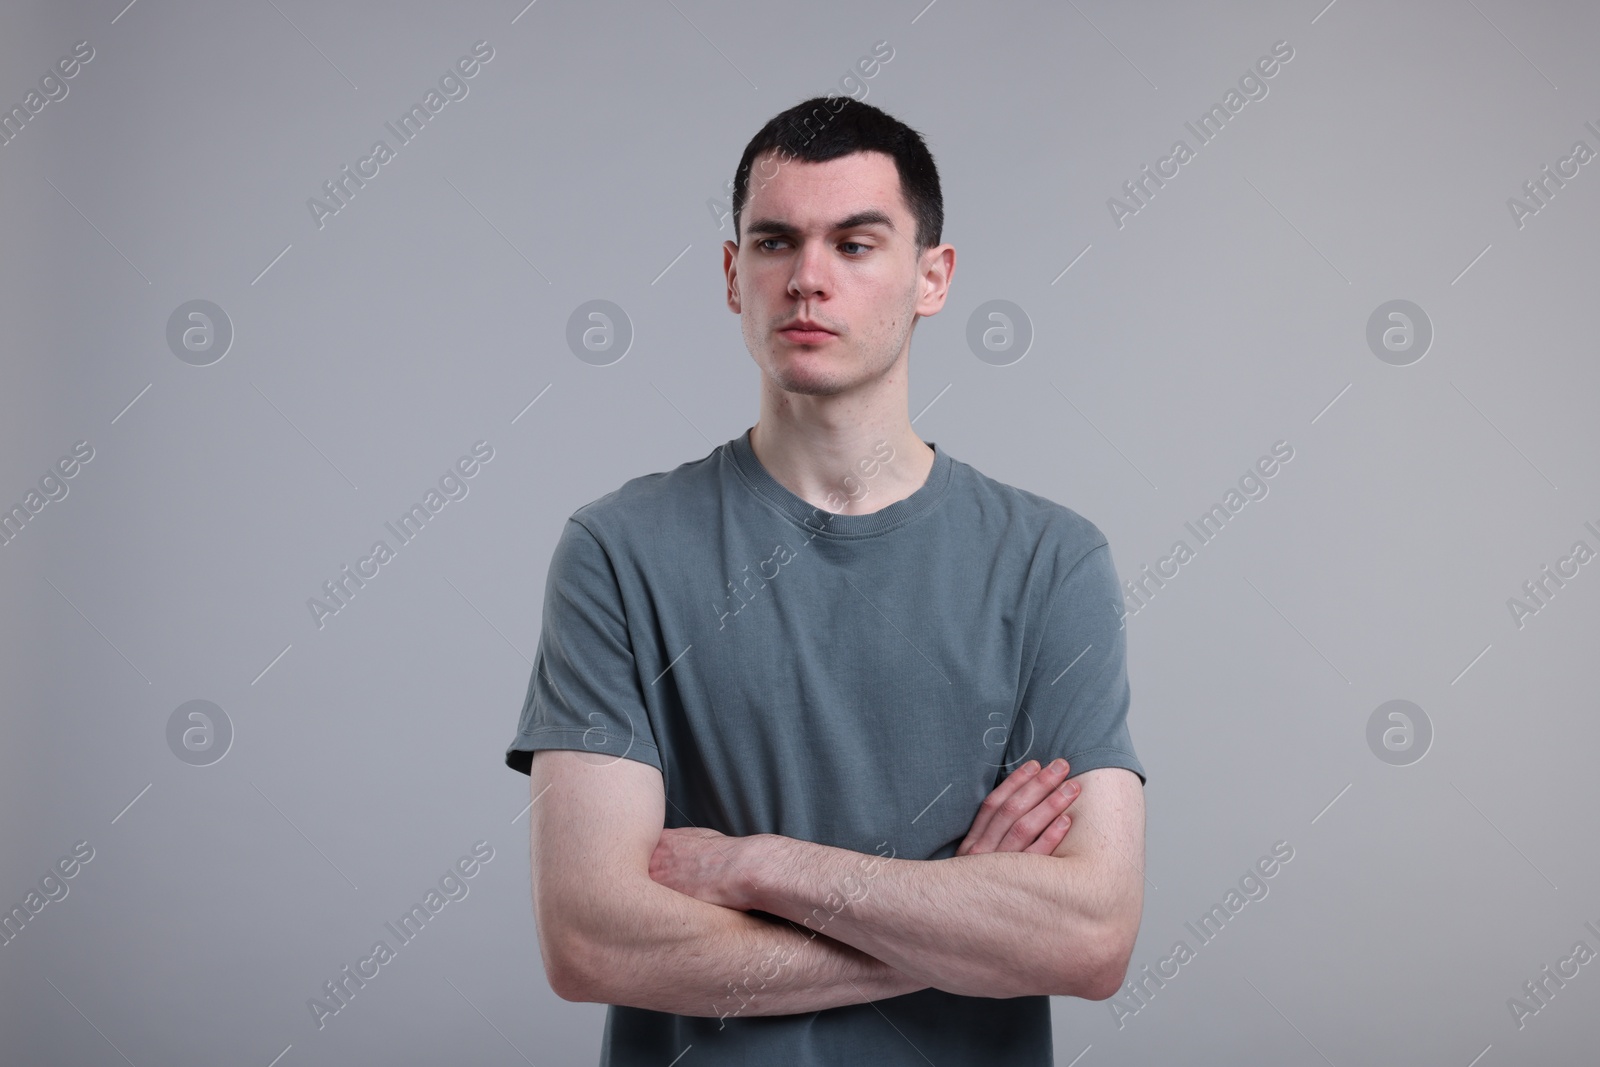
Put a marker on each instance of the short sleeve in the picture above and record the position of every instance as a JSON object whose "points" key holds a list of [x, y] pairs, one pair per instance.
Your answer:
{"points": [[584, 691], [1075, 704]]}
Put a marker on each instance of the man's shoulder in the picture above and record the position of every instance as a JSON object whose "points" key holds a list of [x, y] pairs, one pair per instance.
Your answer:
{"points": [[1028, 518], [651, 503]]}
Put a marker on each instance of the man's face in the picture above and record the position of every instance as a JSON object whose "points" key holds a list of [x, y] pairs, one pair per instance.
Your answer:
{"points": [[833, 243]]}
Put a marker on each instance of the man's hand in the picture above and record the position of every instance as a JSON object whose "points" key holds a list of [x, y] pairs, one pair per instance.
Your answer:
{"points": [[701, 863], [1025, 813]]}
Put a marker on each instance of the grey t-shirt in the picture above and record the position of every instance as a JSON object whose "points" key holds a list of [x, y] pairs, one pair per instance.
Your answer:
{"points": [[861, 681]]}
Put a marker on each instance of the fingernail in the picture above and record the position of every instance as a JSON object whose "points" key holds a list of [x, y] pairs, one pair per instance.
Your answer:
{"points": [[1058, 765], [1031, 766]]}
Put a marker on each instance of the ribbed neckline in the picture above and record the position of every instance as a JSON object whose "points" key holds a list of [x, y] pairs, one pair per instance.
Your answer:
{"points": [[823, 523]]}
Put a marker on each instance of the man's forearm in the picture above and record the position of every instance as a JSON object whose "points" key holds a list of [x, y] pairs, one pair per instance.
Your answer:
{"points": [[682, 955], [994, 925]]}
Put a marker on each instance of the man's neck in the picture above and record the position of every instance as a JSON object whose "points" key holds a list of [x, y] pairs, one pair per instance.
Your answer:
{"points": [[852, 469]]}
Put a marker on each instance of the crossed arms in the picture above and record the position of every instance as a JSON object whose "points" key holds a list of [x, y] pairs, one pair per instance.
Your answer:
{"points": [[632, 913]]}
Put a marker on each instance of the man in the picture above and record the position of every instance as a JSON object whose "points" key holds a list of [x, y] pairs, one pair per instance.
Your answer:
{"points": [[778, 688]]}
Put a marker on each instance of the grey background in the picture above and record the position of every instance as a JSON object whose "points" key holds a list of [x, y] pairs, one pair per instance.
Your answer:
{"points": [[369, 354]]}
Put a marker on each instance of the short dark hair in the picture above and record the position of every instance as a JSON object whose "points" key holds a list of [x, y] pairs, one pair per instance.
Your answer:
{"points": [[827, 127]]}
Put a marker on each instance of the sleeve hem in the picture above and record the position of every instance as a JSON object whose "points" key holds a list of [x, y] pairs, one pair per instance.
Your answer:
{"points": [[1093, 759], [519, 756]]}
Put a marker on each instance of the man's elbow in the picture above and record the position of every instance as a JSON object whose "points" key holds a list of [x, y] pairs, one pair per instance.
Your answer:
{"points": [[571, 970], [1107, 981], [1109, 961], [567, 984]]}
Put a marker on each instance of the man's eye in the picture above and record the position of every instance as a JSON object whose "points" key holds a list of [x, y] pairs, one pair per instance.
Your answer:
{"points": [[768, 241]]}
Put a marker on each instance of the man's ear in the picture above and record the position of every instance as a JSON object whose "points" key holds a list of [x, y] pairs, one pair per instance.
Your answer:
{"points": [[730, 271], [937, 267]]}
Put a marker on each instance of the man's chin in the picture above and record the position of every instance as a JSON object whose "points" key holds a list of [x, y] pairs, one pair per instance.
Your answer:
{"points": [[806, 373], [809, 385]]}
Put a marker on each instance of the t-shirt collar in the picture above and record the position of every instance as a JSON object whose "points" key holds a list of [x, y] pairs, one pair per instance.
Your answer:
{"points": [[825, 524]]}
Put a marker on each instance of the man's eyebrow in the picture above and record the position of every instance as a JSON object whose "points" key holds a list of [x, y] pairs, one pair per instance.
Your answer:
{"points": [[871, 217]]}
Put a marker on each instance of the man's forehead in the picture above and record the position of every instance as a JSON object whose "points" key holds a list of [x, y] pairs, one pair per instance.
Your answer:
{"points": [[855, 197], [813, 221]]}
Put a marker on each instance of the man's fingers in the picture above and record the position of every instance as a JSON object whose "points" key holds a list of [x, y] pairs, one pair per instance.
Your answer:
{"points": [[1053, 835], [996, 833], [991, 803], [1026, 830]]}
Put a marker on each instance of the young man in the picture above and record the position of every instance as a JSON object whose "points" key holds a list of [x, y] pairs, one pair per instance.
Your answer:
{"points": [[778, 688]]}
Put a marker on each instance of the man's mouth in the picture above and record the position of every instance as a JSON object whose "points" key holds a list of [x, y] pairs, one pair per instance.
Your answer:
{"points": [[806, 333]]}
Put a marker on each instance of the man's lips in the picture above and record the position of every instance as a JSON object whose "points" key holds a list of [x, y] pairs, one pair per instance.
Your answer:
{"points": [[805, 335]]}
